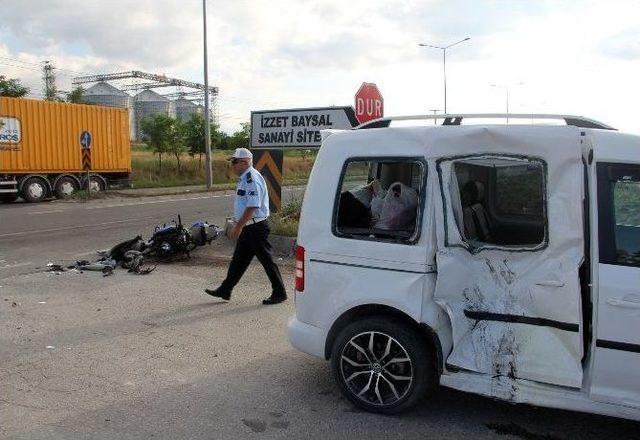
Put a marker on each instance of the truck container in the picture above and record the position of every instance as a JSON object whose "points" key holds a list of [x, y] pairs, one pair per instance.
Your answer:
{"points": [[46, 148]]}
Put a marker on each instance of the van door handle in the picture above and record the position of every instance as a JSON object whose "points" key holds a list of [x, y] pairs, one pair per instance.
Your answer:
{"points": [[628, 302], [550, 283]]}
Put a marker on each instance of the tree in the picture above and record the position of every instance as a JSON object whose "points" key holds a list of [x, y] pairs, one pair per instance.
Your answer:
{"points": [[76, 96], [160, 132], [240, 138], [11, 87], [193, 134]]}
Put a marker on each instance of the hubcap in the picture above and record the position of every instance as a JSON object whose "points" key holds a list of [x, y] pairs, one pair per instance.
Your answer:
{"points": [[376, 368], [67, 188], [95, 185], [36, 190]]}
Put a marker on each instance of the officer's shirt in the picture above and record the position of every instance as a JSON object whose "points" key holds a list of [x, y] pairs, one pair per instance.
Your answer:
{"points": [[251, 192]]}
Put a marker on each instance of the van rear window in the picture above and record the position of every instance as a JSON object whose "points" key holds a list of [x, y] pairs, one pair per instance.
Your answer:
{"points": [[380, 199]]}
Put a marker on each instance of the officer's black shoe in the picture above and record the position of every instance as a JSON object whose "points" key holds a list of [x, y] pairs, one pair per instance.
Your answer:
{"points": [[274, 299], [218, 293]]}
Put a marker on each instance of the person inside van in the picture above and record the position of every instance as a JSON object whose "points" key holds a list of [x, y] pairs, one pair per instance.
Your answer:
{"points": [[355, 205]]}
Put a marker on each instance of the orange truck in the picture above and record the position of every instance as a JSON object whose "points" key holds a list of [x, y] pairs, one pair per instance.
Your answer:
{"points": [[47, 148]]}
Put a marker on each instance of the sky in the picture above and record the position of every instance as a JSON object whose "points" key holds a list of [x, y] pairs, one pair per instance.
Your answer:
{"points": [[577, 57]]}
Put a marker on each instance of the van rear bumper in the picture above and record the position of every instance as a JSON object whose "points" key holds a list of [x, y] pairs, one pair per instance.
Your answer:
{"points": [[306, 338]]}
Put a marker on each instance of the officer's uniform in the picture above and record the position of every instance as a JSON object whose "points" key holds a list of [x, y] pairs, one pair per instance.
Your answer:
{"points": [[251, 192]]}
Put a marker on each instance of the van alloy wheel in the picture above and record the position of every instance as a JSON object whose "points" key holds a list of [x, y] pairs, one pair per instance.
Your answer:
{"points": [[376, 368], [383, 365]]}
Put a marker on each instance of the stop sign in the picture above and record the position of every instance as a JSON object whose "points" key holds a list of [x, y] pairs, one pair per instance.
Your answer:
{"points": [[369, 103]]}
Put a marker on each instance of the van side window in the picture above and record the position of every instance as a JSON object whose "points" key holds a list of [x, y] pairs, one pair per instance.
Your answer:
{"points": [[499, 201], [619, 214], [380, 199]]}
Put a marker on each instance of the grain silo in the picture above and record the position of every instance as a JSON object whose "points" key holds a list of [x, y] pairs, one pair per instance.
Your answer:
{"points": [[105, 94], [186, 108], [148, 103]]}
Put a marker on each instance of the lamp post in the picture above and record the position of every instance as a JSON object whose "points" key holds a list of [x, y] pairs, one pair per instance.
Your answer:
{"points": [[506, 88], [435, 111], [207, 118], [444, 64]]}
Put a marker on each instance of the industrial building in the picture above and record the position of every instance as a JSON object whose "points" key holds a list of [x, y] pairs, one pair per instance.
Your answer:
{"points": [[179, 103]]}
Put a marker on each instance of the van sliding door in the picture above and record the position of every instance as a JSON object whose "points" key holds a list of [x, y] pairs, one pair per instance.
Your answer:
{"points": [[513, 297]]}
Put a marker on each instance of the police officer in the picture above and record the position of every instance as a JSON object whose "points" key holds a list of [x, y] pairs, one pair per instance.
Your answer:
{"points": [[251, 210]]}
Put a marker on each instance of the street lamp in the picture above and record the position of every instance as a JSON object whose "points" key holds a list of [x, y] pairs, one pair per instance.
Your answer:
{"points": [[435, 111], [444, 64], [506, 88], [207, 121]]}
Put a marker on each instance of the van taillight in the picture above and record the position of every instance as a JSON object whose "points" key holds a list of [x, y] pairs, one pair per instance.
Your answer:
{"points": [[300, 269]]}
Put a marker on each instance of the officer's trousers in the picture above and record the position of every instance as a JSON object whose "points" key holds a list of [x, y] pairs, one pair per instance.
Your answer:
{"points": [[253, 241]]}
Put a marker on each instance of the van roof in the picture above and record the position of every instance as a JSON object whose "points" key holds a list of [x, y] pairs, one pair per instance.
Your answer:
{"points": [[457, 118], [609, 145]]}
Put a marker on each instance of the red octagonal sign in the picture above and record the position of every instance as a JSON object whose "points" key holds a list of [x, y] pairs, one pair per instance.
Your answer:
{"points": [[369, 103]]}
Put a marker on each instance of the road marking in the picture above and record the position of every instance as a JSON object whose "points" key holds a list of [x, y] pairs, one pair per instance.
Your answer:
{"points": [[69, 228], [11, 266], [46, 212], [149, 202]]}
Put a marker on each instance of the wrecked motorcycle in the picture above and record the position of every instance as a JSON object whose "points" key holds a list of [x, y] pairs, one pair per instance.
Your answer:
{"points": [[174, 239]]}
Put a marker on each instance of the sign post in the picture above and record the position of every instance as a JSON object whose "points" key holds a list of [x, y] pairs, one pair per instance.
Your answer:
{"points": [[369, 103], [85, 144]]}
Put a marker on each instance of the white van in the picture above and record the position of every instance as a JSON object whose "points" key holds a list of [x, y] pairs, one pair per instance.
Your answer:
{"points": [[502, 260]]}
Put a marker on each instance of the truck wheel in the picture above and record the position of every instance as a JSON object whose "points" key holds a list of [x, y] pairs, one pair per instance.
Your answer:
{"points": [[66, 186], [34, 189], [382, 366], [97, 183], [8, 197]]}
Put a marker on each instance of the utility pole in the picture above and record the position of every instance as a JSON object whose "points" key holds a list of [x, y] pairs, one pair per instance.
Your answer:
{"points": [[49, 78], [207, 114]]}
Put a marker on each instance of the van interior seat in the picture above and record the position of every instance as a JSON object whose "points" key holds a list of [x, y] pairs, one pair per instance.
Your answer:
{"points": [[477, 223]]}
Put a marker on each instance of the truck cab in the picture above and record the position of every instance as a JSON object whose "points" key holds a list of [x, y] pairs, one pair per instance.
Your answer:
{"points": [[502, 260]]}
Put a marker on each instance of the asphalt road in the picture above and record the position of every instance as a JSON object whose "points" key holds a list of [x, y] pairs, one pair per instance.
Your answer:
{"points": [[136, 357]]}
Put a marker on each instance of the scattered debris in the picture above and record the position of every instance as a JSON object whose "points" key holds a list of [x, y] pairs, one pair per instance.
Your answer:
{"points": [[14, 304], [50, 347], [166, 241]]}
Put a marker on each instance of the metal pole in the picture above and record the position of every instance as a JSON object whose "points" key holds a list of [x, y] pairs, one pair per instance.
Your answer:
{"points": [[207, 116], [88, 186], [444, 65], [507, 105]]}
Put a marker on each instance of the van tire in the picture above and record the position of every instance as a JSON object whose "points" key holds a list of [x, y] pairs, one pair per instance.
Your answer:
{"points": [[34, 189], [404, 341]]}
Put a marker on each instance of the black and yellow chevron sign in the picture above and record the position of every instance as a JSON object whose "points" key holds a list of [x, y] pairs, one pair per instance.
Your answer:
{"points": [[86, 159], [269, 164]]}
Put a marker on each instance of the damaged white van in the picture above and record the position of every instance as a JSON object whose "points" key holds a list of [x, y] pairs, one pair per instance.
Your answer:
{"points": [[502, 260]]}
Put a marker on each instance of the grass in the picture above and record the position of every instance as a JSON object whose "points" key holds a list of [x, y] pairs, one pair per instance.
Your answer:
{"points": [[285, 222], [146, 172]]}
